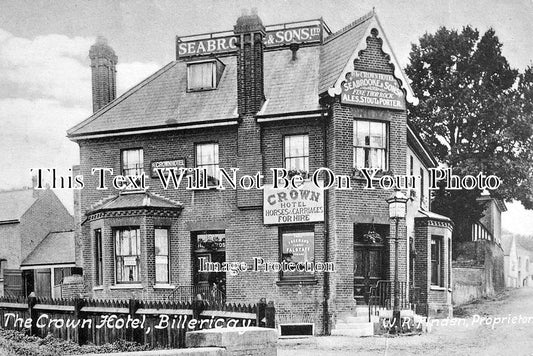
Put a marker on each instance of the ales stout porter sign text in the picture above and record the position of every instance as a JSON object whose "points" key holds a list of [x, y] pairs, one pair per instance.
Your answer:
{"points": [[305, 34], [288, 205], [372, 89]]}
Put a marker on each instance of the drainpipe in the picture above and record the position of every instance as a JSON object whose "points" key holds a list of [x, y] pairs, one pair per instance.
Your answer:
{"points": [[325, 306]]}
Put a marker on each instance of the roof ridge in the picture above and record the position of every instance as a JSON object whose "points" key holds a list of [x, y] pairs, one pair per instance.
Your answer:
{"points": [[350, 26], [121, 98]]}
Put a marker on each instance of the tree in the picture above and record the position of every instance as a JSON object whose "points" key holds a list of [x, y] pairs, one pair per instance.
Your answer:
{"points": [[476, 113]]}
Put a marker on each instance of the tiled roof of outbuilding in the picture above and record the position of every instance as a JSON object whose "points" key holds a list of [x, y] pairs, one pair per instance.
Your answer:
{"points": [[55, 248]]}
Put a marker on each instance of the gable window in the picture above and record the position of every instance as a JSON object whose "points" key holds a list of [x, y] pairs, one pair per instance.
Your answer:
{"points": [[297, 246], [201, 76], [369, 144], [127, 254], [99, 274], [296, 152], [207, 158], [436, 261], [161, 255], [132, 162]]}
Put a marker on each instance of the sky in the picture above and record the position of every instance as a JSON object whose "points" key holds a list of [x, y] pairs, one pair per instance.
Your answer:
{"points": [[45, 78]]}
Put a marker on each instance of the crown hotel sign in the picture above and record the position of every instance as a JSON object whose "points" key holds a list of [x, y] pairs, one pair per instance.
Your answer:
{"points": [[372, 89], [217, 44]]}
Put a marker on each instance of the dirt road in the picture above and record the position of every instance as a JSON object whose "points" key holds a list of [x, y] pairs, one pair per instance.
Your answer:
{"points": [[497, 326]]}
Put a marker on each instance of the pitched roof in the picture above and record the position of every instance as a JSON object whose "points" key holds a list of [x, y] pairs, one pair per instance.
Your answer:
{"points": [[162, 102], [134, 200], [55, 248], [14, 203], [338, 49]]}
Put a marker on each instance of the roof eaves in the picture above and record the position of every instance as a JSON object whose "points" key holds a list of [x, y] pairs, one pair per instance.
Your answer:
{"points": [[94, 116], [415, 139]]}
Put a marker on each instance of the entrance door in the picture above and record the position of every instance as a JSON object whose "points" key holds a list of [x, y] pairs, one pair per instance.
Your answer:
{"points": [[368, 270], [43, 283], [369, 258]]}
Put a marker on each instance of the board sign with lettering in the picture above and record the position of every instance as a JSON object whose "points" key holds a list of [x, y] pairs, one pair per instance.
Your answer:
{"points": [[304, 204], [372, 89], [168, 164], [228, 44]]}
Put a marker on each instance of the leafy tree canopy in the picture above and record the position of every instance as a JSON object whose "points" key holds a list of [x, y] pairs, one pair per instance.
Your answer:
{"points": [[476, 112]]}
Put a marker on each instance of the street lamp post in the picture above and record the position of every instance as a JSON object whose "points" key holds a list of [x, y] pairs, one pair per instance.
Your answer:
{"points": [[397, 210]]}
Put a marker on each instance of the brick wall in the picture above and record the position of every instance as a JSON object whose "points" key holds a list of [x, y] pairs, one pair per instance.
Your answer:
{"points": [[252, 147]]}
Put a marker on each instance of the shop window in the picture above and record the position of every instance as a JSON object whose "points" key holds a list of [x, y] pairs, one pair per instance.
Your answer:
{"points": [[437, 261], [298, 246], [209, 247], [127, 254], [369, 144], [132, 162], [99, 272], [207, 158], [296, 152], [201, 76], [161, 255]]}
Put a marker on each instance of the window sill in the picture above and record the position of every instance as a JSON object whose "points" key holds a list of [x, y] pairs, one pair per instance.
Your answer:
{"points": [[127, 286], [293, 282], [98, 288], [164, 286], [437, 288]]}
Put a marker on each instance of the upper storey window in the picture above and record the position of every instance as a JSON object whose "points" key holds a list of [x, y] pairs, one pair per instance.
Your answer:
{"points": [[132, 162], [369, 144], [296, 152]]}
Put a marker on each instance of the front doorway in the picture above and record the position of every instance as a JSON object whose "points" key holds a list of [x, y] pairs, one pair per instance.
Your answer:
{"points": [[369, 258], [209, 250]]}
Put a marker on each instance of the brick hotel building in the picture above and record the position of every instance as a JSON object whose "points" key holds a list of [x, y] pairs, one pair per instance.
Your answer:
{"points": [[295, 96]]}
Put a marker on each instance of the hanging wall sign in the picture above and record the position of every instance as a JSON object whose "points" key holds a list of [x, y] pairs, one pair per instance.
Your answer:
{"points": [[372, 89], [288, 206]]}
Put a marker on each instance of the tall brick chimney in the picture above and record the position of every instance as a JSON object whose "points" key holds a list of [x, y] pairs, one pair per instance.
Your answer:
{"points": [[104, 73], [250, 89]]}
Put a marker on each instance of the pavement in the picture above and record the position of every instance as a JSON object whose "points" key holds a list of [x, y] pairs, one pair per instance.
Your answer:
{"points": [[501, 325]]}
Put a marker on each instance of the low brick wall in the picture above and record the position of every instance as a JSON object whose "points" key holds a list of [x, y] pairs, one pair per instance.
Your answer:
{"points": [[236, 341], [478, 271]]}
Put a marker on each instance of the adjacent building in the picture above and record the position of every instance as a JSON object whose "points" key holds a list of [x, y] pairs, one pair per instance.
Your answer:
{"points": [[28, 219], [293, 96]]}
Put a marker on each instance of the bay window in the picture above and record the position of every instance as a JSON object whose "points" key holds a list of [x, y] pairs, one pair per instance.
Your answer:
{"points": [[127, 254], [161, 256]]}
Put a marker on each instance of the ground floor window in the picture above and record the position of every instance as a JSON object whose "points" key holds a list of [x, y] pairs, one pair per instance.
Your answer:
{"points": [[161, 255], [437, 261], [99, 273], [127, 254], [297, 246]]}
